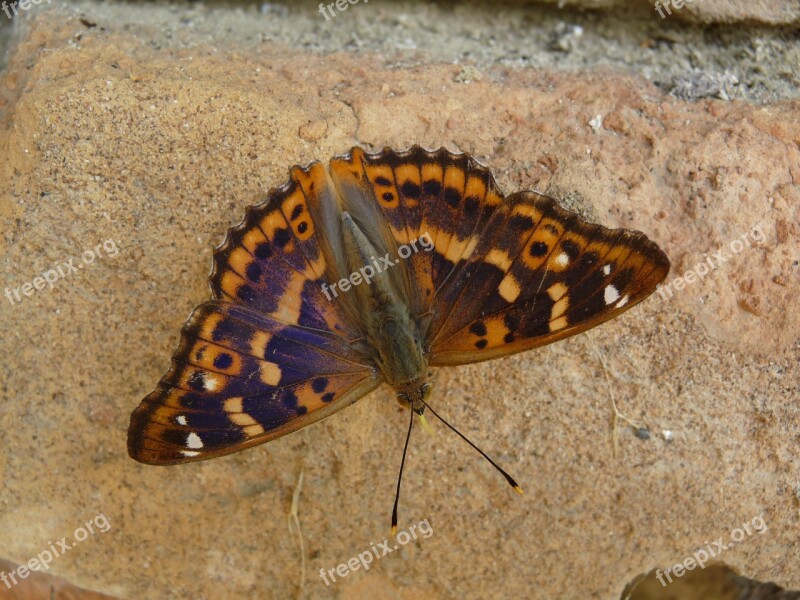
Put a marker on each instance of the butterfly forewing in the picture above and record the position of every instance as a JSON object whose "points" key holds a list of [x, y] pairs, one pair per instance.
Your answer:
{"points": [[240, 378], [274, 260], [539, 274]]}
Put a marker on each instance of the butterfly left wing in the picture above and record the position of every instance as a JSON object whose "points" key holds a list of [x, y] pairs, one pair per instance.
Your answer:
{"points": [[538, 274], [240, 378]]}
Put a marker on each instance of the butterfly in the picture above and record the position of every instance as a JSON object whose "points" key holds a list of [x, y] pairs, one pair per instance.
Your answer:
{"points": [[376, 269]]}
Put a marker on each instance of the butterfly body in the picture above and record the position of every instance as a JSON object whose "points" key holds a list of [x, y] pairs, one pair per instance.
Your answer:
{"points": [[393, 337], [373, 269]]}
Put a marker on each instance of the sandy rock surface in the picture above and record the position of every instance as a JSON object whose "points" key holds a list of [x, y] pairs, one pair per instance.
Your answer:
{"points": [[130, 144]]}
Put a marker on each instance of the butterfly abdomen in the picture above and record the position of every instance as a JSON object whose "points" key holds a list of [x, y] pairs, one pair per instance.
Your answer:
{"points": [[398, 348]]}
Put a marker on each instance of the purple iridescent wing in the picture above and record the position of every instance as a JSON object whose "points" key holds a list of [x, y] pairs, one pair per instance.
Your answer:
{"points": [[270, 353]]}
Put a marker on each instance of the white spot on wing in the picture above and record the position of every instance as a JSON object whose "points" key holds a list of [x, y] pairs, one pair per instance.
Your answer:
{"points": [[181, 420], [189, 453], [606, 269], [610, 294], [193, 441], [624, 301], [562, 259], [210, 383]]}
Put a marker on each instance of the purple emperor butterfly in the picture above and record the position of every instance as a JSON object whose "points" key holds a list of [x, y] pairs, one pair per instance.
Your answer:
{"points": [[318, 297]]}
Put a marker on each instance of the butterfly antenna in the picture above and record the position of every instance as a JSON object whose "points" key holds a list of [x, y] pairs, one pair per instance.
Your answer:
{"points": [[400, 477], [508, 477]]}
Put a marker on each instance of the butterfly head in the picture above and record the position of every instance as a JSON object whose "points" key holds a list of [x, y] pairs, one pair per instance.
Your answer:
{"points": [[415, 394]]}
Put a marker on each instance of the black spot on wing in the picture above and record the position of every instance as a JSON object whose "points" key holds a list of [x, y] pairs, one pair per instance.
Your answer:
{"points": [[282, 237], [538, 249], [192, 401], [410, 189], [571, 249], [245, 293], [431, 187], [223, 360], [263, 251], [471, 205], [319, 384], [253, 271], [197, 381], [519, 224], [478, 328], [290, 399], [452, 197]]}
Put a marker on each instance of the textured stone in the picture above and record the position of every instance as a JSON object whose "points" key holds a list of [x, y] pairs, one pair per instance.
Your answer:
{"points": [[118, 133]]}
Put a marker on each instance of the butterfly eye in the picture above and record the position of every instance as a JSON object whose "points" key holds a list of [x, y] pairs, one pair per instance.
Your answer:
{"points": [[425, 390]]}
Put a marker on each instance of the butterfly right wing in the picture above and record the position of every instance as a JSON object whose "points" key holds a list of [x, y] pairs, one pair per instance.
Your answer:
{"points": [[540, 274]]}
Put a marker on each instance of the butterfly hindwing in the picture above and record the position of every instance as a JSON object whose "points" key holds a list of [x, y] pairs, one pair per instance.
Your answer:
{"points": [[240, 378], [537, 275], [444, 198]]}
